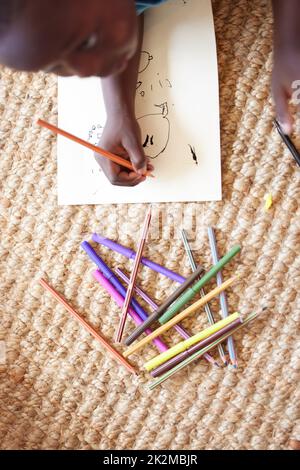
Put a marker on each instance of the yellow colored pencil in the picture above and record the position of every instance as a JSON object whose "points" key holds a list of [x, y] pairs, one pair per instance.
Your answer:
{"points": [[162, 329], [183, 345]]}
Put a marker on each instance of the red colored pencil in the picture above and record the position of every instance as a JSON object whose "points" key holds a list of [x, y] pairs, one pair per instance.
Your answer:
{"points": [[88, 327], [136, 265]]}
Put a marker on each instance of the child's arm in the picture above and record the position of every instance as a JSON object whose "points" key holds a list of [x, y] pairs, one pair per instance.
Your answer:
{"points": [[286, 57], [122, 134]]}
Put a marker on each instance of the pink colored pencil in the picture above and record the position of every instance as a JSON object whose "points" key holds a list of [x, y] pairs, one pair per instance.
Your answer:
{"points": [[106, 284], [133, 276]]}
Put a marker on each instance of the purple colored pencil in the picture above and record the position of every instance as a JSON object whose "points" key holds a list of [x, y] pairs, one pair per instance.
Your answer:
{"points": [[183, 333], [166, 366], [123, 250], [108, 273]]}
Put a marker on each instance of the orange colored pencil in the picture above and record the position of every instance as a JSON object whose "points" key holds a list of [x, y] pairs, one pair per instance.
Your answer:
{"points": [[132, 280], [88, 327], [114, 158]]}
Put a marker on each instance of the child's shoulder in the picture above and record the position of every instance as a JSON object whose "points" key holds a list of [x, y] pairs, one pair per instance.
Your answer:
{"points": [[142, 5]]}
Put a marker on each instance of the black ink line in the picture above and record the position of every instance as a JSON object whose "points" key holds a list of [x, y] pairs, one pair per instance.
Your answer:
{"points": [[149, 57], [164, 111], [146, 141], [194, 155]]}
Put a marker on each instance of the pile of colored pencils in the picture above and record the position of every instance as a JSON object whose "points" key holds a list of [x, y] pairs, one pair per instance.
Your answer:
{"points": [[218, 335]]}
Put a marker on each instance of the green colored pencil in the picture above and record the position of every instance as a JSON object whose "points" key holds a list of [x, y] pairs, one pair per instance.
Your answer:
{"points": [[192, 291], [188, 294]]}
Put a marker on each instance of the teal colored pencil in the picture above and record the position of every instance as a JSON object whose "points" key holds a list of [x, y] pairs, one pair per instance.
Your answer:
{"points": [[192, 291], [194, 356]]}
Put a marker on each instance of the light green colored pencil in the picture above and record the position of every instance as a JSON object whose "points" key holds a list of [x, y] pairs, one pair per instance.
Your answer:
{"points": [[194, 356]]}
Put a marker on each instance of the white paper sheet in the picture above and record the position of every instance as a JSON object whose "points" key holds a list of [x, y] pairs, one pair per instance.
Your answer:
{"points": [[178, 109]]}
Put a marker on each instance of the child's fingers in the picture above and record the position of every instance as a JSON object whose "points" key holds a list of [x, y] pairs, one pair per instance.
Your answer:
{"points": [[125, 179], [129, 179], [122, 178], [150, 167], [281, 99], [118, 176], [136, 153]]}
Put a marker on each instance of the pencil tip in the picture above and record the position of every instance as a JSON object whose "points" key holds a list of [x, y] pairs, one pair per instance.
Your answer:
{"points": [[225, 362]]}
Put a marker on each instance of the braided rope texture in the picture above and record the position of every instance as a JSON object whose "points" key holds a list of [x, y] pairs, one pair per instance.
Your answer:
{"points": [[59, 389]]}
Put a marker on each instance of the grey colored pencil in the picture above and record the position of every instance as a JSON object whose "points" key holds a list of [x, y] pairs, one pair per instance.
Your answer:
{"points": [[208, 311], [223, 300]]}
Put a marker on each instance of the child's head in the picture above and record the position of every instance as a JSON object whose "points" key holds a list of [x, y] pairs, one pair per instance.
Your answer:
{"points": [[68, 37]]}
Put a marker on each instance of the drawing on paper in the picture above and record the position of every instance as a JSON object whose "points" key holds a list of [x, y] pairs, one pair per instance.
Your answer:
{"points": [[156, 131], [145, 61], [170, 109], [194, 155], [95, 133]]}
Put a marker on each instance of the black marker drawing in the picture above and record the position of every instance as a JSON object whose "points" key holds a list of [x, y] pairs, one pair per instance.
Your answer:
{"points": [[156, 131], [138, 85], [145, 60], [194, 155], [163, 83]]}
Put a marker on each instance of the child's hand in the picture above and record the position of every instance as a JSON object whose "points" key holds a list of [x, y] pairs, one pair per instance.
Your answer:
{"points": [[286, 72], [122, 136], [286, 59]]}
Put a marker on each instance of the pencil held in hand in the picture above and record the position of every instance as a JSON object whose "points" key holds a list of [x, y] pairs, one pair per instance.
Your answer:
{"points": [[288, 142], [104, 153]]}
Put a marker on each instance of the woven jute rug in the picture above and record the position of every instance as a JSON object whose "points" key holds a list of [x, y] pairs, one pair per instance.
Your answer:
{"points": [[59, 389]]}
